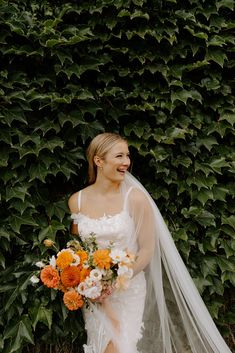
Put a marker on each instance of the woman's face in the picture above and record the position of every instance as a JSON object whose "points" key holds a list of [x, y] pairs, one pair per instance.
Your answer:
{"points": [[116, 162]]}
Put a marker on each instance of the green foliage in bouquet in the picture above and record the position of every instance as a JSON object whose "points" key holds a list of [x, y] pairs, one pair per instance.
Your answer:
{"points": [[161, 73]]}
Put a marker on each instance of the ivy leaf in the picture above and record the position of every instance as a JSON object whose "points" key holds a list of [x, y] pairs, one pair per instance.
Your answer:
{"points": [[204, 167], [209, 266], [229, 220], [139, 14], [208, 142], [38, 171], [201, 283], [21, 205], [205, 218], [18, 332], [184, 95], [18, 192], [228, 276], [226, 264], [17, 221], [58, 209], [40, 313], [229, 117], [50, 231], [220, 193], [219, 163], [216, 55], [74, 117], [139, 128], [2, 260], [203, 195], [225, 3]]}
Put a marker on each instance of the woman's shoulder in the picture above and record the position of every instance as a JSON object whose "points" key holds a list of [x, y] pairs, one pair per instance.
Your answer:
{"points": [[73, 200], [137, 196]]}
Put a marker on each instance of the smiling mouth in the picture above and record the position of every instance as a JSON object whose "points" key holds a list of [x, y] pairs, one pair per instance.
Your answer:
{"points": [[121, 171]]}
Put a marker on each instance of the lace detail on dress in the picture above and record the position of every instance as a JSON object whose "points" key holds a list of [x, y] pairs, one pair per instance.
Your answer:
{"points": [[115, 229], [88, 349]]}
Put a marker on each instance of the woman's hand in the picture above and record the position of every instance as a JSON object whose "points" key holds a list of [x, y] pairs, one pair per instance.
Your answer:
{"points": [[106, 292]]}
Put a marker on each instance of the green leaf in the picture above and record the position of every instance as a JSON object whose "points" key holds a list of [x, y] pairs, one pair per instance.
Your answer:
{"points": [[38, 171], [182, 96], [40, 313], [21, 206], [226, 264], [50, 231], [220, 193], [139, 14], [2, 260], [206, 219], [203, 195], [58, 209], [18, 332], [228, 220], [17, 221], [218, 163], [216, 55], [18, 192], [209, 266], [228, 276], [74, 117], [139, 128], [207, 142], [225, 3], [202, 283], [229, 117]]}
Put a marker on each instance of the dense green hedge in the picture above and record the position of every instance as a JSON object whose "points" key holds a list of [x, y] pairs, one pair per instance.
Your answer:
{"points": [[159, 72]]}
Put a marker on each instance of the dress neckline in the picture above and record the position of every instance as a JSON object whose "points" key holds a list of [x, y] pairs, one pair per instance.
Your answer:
{"points": [[102, 217]]}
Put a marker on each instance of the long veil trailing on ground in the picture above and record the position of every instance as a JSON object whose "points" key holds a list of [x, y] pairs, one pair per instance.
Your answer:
{"points": [[176, 319]]}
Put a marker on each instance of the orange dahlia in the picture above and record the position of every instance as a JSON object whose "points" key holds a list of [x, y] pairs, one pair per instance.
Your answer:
{"points": [[83, 256], [73, 300], [102, 259], [70, 276], [50, 276], [84, 273], [64, 259]]}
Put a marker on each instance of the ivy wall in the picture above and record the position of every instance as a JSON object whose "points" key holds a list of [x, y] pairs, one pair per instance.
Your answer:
{"points": [[161, 73]]}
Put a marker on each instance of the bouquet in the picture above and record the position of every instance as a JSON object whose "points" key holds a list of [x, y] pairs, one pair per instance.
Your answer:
{"points": [[84, 273]]}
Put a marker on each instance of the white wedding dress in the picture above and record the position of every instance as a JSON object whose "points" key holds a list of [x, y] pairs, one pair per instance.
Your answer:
{"points": [[123, 318], [161, 311]]}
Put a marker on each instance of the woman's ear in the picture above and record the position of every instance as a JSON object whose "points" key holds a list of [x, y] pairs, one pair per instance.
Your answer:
{"points": [[98, 161]]}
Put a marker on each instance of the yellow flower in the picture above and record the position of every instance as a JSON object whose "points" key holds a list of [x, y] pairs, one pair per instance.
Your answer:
{"points": [[64, 259], [102, 259], [83, 256]]}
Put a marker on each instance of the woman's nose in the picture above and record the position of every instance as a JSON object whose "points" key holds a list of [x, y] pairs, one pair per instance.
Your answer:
{"points": [[126, 160]]}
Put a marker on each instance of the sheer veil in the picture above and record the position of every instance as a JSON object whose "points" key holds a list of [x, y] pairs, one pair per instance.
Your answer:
{"points": [[176, 319]]}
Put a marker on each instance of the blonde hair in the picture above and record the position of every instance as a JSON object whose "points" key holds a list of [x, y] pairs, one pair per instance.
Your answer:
{"points": [[99, 146]]}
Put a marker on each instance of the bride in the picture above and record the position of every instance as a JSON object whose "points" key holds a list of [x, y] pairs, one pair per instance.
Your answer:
{"points": [[161, 310]]}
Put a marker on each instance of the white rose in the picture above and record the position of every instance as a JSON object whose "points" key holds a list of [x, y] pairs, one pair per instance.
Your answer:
{"points": [[117, 255], [124, 270], [34, 279]]}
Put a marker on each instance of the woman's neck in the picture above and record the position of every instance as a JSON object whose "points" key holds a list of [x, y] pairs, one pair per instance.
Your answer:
{"points": [[106, 187]]}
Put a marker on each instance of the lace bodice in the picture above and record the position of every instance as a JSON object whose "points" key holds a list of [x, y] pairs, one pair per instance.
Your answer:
{"points": [[116, 229]]}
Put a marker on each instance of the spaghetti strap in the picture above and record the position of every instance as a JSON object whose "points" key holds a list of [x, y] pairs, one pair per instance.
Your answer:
{"points": [[126, 198], [79, 200]]}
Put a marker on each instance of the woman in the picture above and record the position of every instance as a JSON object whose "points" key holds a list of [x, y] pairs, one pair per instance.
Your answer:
{"points": [[161, 310]]}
